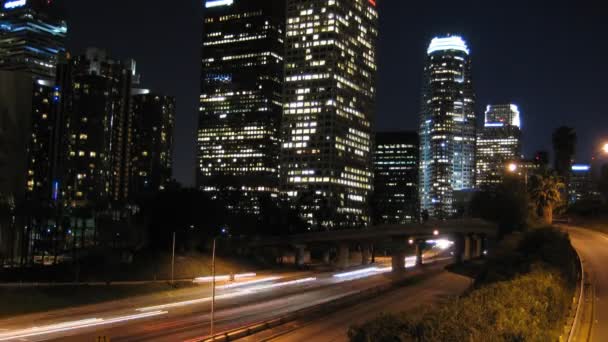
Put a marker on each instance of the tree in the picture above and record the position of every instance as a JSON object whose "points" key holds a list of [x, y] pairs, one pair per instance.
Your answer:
{"points": [[545, 193], [564, 145], [506, 204]]}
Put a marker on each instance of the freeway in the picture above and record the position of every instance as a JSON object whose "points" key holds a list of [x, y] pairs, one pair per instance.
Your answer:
{"points": [[186, 317], [592, 247], [334, 326]]}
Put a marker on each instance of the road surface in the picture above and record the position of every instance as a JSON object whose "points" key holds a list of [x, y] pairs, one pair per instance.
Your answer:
{"points": [[186, 317], [592, 247], [334, 327]]}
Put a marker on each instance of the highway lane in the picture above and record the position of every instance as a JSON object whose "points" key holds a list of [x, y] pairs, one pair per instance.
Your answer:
{"points": [[334, 327], [186, 324], [187, 315], [592, 246], [256, 301]]}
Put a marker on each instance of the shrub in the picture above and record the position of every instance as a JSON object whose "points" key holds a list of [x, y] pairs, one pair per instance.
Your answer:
{"points": [[523, 296]]}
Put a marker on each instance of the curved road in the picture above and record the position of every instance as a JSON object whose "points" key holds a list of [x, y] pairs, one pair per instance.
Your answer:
{"points": [[592, 247]]}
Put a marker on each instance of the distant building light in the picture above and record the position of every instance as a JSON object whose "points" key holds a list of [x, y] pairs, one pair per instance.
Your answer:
{"points": [[581, 167], [494, 124], [218, 3], [15, 4], [448, 43]]}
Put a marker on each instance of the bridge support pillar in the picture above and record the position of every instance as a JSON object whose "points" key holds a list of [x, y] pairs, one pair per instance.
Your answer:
{"points": [[467, 248], [419, 254], [343, 255], [399, 247], [398, 261], [478, 253], [300, 257], [326, 257], [365, 255]]}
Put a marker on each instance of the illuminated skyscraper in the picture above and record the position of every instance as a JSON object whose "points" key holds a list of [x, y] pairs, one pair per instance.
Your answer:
{"points": [[153, 118], [395, 199], [330, 90], [94, 102], [240, 104], [447, 126], [32, 34], [498, 143]]}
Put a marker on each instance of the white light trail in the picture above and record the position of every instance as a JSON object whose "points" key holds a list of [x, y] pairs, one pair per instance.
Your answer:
{"points": [[247, 283], [81, 324], [239, 293], [223, 277]]}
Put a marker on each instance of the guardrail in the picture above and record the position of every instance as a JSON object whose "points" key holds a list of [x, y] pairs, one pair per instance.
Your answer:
{"points": [[577, 315]]}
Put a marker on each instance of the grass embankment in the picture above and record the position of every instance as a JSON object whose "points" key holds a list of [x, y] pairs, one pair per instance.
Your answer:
{"points": [[99, 268], [523, 294], [23, 300], [19, 301]]}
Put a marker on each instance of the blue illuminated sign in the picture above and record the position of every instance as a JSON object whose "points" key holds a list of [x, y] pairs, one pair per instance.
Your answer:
{"points": [[218, 3], [14, 4], [581, 167]]}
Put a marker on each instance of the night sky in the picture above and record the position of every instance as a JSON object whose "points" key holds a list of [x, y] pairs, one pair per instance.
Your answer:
{"points": [[550, 59]]}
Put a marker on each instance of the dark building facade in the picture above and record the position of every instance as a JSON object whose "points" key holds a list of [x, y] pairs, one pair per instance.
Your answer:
{"points": [[95, 106], [32, 34], [447, 126], [153, 120], [395, 199], [329, 110], [581, 185], [240, 103]]}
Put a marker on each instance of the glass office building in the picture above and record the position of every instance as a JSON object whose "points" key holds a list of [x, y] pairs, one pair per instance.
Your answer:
{"points": [[32, 34], [241, 101], [498, 143], [329, 109], [447, 126]]}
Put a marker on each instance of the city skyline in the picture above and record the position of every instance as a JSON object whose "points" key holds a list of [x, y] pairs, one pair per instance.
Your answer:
{"points": [[401, 55]]}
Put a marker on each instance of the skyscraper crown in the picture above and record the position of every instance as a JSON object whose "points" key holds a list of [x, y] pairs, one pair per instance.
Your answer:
{"points": [[448, 43]]}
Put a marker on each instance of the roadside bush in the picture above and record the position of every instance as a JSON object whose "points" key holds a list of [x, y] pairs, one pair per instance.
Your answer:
{"points": [[523, 296]]}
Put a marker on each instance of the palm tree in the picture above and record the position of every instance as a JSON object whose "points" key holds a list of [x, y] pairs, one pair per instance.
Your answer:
{"points": [[545, 193]]}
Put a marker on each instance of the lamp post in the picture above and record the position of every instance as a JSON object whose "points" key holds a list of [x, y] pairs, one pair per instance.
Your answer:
{"points": [[213, 290], [514, 167], [173, 262], [223, 231]]}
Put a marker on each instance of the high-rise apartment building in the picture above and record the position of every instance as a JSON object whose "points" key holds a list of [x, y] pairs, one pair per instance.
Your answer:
{"points": [[447, 126], [395, 199], [26, 131], [95, 106], [153, 120], [498, 143], [241, 101], [32, 34], [330, 90]]}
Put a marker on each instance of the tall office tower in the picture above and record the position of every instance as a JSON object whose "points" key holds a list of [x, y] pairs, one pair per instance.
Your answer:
{"points": [[330, 90], [32, 34], [153, 118], [95, 102], [498, 143], [240, 103], [447, 126], [395, 199], [26, 132]]}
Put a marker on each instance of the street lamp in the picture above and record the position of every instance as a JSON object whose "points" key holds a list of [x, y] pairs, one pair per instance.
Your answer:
{"points": [[605, 148], [223, 231], [514, 168]]}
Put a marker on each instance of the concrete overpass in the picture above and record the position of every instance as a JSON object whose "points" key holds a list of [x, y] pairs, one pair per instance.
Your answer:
{"points": [[469, 236]]}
